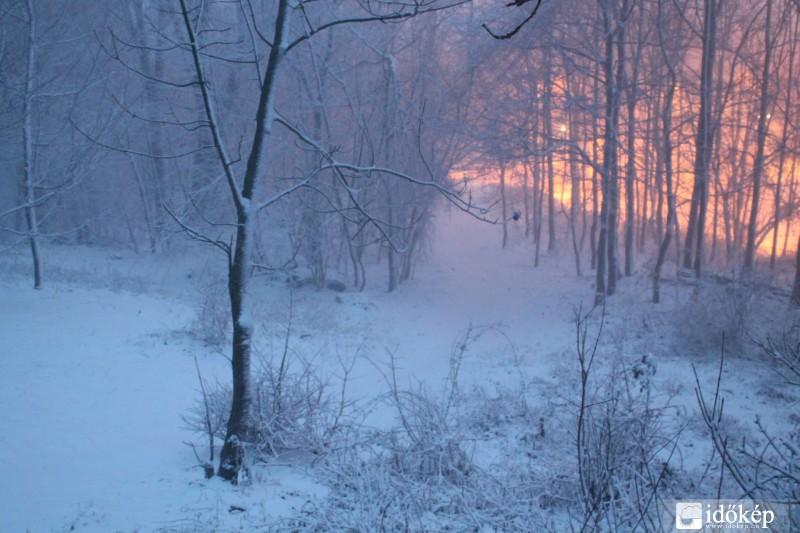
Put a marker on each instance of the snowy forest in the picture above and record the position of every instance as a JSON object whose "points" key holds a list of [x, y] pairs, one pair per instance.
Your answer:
{"points": [[399, 265]]}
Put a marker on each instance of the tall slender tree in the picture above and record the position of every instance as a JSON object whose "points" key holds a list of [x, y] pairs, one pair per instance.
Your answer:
{"points": [[694, 243], [761, 141]]}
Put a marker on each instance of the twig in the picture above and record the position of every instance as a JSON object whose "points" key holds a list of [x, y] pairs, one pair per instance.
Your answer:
{"points": [[209, 429]]}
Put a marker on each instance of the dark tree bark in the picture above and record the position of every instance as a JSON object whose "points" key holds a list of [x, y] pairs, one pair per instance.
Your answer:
{"points": [[630, 177], [244, 186], [232, 456], [666, 138], [761, 140], [794, 38], [607, 268], [665, 243], [704, 144], [795, 298]]}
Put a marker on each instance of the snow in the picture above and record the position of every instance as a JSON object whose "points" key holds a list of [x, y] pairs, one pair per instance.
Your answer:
{"points": [[94, 381], [82, 423], [93, 387]]}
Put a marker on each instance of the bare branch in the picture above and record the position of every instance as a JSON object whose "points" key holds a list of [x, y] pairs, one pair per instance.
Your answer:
{"points": [[197, 235], [515, 3], [455, 197], [393, 17], [211, 115], [135, 152]]}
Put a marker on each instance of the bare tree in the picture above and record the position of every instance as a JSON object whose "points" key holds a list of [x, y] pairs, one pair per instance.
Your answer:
{"points": [[704, 144], [761, 140], [614, 19], [43, 92], [667, 151], [257, 185], [28, 180], [793, 37]]}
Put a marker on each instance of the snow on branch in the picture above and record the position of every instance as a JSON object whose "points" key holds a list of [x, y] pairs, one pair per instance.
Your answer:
{"points": [[455, 197]]}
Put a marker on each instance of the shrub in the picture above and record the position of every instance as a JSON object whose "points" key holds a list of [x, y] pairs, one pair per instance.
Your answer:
{"points": [[293, 410], [730, 308], [212, 325]]}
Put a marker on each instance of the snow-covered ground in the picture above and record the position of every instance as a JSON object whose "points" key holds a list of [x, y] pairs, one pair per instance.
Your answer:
{"points": [[98, 368]]}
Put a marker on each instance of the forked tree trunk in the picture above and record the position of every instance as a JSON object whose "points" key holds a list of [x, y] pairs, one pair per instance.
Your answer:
{"points": [[239, 430], [704, 144], [606, 279], [666, 136], [664, 247], [240, 423]]}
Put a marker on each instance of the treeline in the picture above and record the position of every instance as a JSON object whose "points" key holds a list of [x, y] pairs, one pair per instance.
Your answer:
{"points": [[662, 127], [616, 128], [113, 135]]}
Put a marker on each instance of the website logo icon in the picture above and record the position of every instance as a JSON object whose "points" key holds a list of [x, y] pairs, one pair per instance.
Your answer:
{"points": [[688, 515]]}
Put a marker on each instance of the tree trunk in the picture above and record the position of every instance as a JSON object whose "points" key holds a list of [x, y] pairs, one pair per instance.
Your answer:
{"points": [[647, 177], [31, 218], [538, 186], [658, 186], [704, 144], [630, 178], [232, 456], [666, 137], [605, 281], [548, 134], [593, 238], [792, 194], [390, 251], [761, 139], [503, 203], [576, 203], [595, 225], [611, 142], [664, 248], [795, 299], [784, 138], [526, 199]]}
